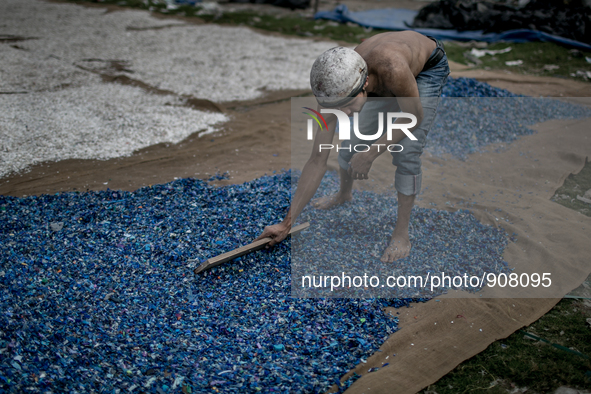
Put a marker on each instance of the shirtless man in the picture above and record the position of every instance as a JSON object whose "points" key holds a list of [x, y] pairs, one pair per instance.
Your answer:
{"points": [[396, 64]]}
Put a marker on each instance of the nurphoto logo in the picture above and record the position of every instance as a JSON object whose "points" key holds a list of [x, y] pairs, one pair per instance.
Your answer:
{"points": [[344, 126]]}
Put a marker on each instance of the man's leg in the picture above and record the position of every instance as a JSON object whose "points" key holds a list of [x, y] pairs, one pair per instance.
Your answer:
{"points": [[407, 181], [399, 246], [343, 195], [408, 172], [368, 124]]}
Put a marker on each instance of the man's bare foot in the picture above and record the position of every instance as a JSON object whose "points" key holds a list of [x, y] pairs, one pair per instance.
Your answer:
{"points": [[328, 202], [399, 248]]}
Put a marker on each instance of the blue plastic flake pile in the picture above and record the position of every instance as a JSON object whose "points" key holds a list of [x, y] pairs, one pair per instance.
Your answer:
{"points": [[467, 121], [96, 294], [351, 238], [468, 87]]}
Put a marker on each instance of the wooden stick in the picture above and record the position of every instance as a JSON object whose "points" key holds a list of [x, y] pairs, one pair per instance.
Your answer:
{"points": [[222, 258]]}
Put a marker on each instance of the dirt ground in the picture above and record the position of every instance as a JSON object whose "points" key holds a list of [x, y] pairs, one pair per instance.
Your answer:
{"points": [[246, 147], [257, 141]]}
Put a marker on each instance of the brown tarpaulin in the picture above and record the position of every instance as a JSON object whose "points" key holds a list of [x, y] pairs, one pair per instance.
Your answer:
{"points": [[436, 336]]}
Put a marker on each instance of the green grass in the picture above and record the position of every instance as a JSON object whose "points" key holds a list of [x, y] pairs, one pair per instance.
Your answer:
{"points": [[535, 55], [294, 25], [285, 24], [517, 362]]}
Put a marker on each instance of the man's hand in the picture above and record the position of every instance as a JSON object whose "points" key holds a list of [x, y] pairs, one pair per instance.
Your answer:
{"points": [[278, 232], [359, 166]]}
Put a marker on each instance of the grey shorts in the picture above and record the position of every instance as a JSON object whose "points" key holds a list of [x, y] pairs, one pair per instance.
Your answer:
{"points": [[408, 176]]}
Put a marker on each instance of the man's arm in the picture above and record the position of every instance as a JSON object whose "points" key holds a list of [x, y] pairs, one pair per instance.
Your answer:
{"points": [[309, 181], [399, 80]]}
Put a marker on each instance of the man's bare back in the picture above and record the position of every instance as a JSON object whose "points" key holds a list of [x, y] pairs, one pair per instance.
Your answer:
{"points": [[392, 58]]}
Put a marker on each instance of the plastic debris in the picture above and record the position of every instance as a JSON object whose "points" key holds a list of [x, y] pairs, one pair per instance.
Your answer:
{"points": [[582, 74], [57, 226], [514, 63], [482, 52], [586, 198]]}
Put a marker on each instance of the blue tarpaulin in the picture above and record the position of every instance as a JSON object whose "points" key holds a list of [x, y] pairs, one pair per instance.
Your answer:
{"points": [[401, 19]]}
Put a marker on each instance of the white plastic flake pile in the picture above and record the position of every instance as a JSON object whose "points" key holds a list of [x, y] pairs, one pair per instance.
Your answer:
{"points": [[55, 105], [100, 121], [206, 61]]}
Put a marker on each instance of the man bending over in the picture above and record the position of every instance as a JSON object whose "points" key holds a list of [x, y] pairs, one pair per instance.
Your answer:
{"points": [[406, 65]]}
